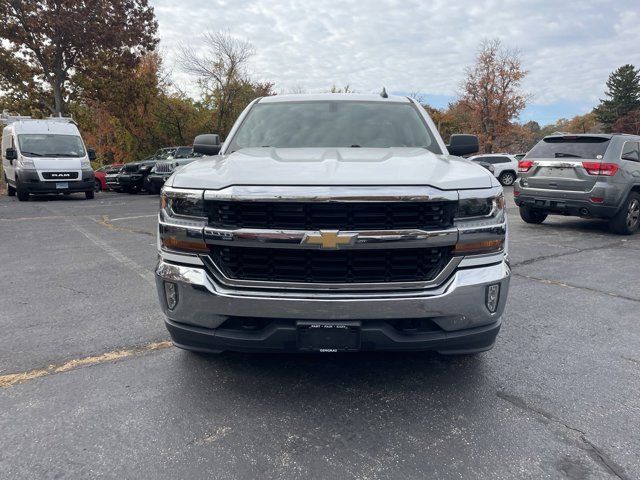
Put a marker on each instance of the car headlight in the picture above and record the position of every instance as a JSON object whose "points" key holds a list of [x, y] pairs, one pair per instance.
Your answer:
{"points": [[481, 222], [182, 220], [85, 164], [481, 210]]}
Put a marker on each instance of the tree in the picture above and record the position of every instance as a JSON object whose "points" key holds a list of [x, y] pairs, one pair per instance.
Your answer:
{"points": [[629, 123], [623, 96], [46, 44], [221, 73], [491, 91]]}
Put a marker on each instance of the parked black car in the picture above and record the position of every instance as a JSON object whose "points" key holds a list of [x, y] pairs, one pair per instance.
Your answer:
{"points": [[132, 177]]}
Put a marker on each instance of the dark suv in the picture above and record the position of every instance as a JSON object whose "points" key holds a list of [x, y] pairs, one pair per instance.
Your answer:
{"points": [[589, 175], [132, 176]]}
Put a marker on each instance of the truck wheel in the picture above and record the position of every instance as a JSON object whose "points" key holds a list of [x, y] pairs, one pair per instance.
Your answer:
{"points": [[507, 178], [23, 195], [532, 216], [627, 220], [89, 194], [11, 191]]}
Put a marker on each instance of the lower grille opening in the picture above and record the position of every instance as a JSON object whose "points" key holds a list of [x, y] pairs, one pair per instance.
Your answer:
{"points": [[331, 266], [245, 324], [414, 325]]}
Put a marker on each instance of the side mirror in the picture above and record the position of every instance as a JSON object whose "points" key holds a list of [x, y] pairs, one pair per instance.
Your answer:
{"points": [[11, 154], [207, 144], [92, 154], [462, 144]]}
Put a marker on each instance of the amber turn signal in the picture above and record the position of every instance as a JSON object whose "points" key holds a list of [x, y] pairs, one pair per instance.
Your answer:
{"points": [[172, 243], [478, 248]]}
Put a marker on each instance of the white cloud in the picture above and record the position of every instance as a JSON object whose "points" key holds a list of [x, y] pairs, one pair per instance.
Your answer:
{"points": [[568, 47]]}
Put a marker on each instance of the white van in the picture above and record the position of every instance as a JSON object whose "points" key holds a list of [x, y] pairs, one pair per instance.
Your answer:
{"points": [[45, 156]]}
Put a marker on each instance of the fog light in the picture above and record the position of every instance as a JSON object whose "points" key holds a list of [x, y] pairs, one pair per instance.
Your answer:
{"points": [[493, 296], [171, 294]]}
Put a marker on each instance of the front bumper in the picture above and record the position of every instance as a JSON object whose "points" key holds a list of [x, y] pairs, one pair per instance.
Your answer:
{"points": [[126, 180], [31, 182], [456, 308]]}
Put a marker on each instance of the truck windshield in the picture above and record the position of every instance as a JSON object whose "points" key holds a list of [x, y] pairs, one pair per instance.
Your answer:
{"points": [[570, 146], [327, 124], [49, 145]]}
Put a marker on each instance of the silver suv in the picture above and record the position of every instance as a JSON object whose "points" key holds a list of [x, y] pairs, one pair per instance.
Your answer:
{"points": [[590, 175]]}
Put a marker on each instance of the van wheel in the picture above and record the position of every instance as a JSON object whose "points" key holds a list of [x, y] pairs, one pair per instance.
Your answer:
{"points": [[11, 191], [89, 195], [532, 216], [627, 220], [22, 195], [507, 178]]}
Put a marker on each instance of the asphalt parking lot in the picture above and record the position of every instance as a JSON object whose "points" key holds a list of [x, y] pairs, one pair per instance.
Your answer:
{"points": [[104, 395]]}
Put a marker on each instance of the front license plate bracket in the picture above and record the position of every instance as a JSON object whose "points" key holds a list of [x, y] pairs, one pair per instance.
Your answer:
{"points": [[327, 337]]}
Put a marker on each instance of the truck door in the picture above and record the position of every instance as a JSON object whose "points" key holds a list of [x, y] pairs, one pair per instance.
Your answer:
{"points": [[9, 167]]}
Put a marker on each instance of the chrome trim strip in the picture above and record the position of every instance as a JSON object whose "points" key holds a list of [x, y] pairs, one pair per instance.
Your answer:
{"points": [[213, 269], [370, 239], [180, 258], [278, 193]]}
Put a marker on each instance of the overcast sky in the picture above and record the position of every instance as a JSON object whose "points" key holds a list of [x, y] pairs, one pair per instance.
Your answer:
{"points": [[568, 47]]}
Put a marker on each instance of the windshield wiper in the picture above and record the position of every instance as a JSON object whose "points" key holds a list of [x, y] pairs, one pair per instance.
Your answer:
{"points": [[356, 146], [566, 155], [32, 154]]}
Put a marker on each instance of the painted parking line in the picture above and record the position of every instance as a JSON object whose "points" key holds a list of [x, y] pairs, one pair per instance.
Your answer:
{"points": [[21, 377]]}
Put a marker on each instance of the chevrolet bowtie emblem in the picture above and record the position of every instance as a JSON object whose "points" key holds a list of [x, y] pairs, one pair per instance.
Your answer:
{"points": [[329, 238]]}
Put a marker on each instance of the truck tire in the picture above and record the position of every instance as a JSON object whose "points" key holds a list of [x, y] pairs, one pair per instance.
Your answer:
{"points": [[89, 194], [507, 178], [23, 195], [11, 191], [627, 220], [532, 216]]}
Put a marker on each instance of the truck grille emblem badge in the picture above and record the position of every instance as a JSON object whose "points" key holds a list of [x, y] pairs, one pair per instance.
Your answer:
{"points": [[329, 238]]}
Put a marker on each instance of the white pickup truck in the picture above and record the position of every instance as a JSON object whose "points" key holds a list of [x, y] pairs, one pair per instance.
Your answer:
{"points": [[335, 222]]}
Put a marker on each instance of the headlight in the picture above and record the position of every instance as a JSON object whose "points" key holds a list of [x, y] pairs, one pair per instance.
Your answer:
{"points": [[481, 222], [27, 164], [474, 208], [85, 164], [182, 220], [183, 202]]}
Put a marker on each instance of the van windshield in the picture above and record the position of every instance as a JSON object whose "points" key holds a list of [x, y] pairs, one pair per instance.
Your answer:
{"points": [[49, 145], [334, 124], [570, 146]]}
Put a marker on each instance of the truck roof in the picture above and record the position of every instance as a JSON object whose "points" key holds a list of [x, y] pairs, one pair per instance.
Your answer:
{"points": [[44, 126], [344, 97]]}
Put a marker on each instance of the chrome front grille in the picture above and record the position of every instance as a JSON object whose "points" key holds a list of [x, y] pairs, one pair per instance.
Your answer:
{"points": [[331, 266], [330, 238], [350, 216], [164, 167]]}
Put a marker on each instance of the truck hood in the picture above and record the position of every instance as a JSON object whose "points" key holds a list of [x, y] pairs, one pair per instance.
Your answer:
{"points": [[333, 166], [57, 163]]}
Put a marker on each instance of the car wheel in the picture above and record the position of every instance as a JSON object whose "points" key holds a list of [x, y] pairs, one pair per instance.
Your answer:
{"points": [[532, 216], [98, 186], [22, 195], [89, 194], [11, 191], [627, 220], [507, 178]]}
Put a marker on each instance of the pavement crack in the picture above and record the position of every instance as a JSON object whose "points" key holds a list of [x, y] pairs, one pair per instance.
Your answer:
{"points": [[594, 451], [529, 261], [106, 222], [577, 287], [11, 379]]}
